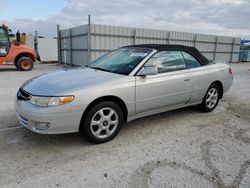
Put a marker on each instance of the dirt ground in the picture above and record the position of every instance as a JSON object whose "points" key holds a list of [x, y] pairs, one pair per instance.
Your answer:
{"points": [[181, 148]]}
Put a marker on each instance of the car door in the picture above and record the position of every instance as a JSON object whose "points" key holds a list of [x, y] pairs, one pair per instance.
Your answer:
{"points": [[202, 77], [171, 86]]}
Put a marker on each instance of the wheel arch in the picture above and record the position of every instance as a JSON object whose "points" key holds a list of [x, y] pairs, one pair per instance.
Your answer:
{"points": [[25, 54], [220, 85], [111, 98]]}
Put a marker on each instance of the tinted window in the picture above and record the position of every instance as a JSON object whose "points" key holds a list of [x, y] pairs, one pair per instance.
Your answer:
{"points": [[121, 61], [167, 61], [190, 61], [4, 42]]}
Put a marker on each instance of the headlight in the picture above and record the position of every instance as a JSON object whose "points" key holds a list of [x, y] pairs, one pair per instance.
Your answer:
{"points": [[51, 101]]}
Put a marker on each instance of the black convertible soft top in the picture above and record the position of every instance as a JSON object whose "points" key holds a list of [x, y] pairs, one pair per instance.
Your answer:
{"points": [[171, 47]]}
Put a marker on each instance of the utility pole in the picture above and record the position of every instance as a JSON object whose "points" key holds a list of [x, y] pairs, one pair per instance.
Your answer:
{"points": [[89, 41]]}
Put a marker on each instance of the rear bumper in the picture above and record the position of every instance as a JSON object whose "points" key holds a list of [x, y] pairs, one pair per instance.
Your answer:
{"points": [[65, 121], [227, 83]]}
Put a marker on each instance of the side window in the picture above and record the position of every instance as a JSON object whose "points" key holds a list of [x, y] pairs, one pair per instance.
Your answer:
{"points": [[167, 61], [4, 42], [191, 62]]}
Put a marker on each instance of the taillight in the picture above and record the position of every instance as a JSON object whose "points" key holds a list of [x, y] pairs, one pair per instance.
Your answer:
{"points": [[230, 71]]}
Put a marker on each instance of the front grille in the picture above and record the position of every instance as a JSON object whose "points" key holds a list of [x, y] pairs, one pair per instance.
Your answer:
{"points": [[23, 95]]}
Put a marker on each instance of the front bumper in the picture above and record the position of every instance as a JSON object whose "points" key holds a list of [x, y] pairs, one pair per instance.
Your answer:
{"points": [[61, 119]]}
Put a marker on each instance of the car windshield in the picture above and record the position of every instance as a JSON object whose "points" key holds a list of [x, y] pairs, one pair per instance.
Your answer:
{"points": [[120, 61]]}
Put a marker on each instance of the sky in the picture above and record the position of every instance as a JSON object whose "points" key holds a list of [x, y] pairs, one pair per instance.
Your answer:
{"points": [[218, 17]]}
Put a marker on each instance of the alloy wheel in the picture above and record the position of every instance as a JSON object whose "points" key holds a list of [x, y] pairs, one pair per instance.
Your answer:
{"points": [[104, 123], [212, 98]]}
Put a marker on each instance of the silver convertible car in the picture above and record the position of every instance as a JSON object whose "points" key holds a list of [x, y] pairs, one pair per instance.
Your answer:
{"points": [[128, 83]]}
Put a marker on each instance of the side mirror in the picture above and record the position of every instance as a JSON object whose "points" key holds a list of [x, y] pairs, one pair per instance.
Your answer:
{"points": [[152, 70]]}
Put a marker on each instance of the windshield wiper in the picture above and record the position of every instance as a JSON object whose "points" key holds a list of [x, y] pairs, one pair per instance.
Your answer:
{"points": [[98, 68]]}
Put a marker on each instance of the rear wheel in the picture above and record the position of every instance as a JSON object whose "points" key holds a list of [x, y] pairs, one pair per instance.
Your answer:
{"points": [[24, 64], [211, 98], [103, 122]]}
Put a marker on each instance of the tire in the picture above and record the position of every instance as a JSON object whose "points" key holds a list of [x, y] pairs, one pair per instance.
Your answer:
{"points": [[98, 127], [25, 64], [211, 98], [16, 65]]}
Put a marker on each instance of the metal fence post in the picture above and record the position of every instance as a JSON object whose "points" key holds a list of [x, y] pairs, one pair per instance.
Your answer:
{"points": [[215, 48], [168, 38], [135, 36], [195, 40], [65, 51], [70, 47], [232, 51], [36, 42], [59, 44], [89, 41]]}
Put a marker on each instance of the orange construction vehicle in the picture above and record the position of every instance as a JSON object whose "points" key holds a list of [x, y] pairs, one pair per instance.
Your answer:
{"points": [[15, 53]]}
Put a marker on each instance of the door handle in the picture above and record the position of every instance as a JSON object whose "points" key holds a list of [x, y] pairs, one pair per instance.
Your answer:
{"points": [[187, 79]]}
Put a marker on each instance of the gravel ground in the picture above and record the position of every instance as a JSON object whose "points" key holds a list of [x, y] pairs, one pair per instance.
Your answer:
{"points": [[181, 148]]}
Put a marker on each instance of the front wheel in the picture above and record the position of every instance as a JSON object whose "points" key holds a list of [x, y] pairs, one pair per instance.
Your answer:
{"points": [[103, 122], [25, 64], [211, 98]]}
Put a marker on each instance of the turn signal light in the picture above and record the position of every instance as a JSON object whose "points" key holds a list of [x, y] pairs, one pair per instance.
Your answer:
{"points": [[67, 99]]}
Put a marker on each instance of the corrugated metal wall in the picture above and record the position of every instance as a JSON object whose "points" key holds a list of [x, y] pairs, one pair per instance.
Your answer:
{"points": [[47, 49], [73, 45], [73, 42]]}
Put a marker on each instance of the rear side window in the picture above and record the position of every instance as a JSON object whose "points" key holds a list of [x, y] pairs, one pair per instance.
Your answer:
{"points": [[167, 61], [190, 60]]}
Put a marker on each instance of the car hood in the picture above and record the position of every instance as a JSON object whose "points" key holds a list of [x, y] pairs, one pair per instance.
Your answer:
{"points": [[68, 80]]}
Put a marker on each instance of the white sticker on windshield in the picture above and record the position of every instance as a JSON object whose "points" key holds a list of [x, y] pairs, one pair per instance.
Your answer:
{"points": [[3, 51], [139, 54]]}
